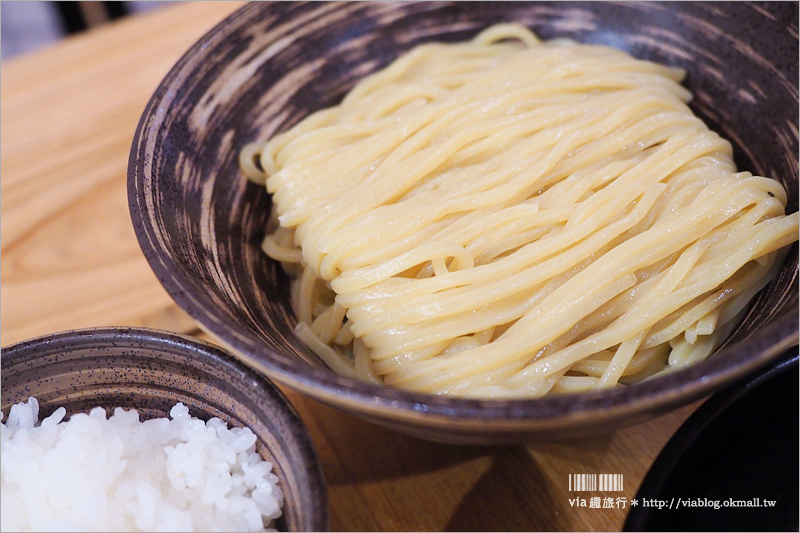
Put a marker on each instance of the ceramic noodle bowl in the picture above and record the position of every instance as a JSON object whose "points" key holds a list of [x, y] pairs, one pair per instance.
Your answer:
{"points": [[200, 223]]}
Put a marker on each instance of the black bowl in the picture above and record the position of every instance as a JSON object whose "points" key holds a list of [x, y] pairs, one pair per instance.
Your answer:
{"points": [[740, 446], [200, 223], [151, 371]]}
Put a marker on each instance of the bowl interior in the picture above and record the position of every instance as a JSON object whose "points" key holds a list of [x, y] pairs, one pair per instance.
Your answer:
{"points": [[201, 223], [151, 371]]}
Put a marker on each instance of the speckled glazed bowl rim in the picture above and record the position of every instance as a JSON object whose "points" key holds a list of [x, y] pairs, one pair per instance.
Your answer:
{"points": [[135, 338], [655, 395]]}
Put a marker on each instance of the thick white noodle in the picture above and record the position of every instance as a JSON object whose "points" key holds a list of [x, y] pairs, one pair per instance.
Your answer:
{"points": [[508, 217]]}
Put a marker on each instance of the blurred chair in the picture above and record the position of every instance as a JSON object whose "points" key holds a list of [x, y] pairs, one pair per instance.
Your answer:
{"points": [[28, 26], [79, 16]]}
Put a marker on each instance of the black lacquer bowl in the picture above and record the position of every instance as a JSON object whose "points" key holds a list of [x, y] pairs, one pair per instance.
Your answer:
{"points": [[151, 371], [740, 448], [200, 223]]}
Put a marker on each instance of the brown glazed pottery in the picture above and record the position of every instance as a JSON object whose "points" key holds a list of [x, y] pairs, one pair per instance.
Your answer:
{"points": [[151, 371], [200, 222]]}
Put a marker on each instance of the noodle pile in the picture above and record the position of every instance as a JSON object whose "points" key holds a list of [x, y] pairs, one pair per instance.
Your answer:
{"points": [[508, 217]]}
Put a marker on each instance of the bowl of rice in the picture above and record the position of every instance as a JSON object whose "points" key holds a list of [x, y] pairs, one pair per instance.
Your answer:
{"points": [[124, 429], [329, 279]]}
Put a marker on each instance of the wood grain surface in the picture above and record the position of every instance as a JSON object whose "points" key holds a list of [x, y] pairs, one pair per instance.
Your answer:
{"points": [[70, 260]]}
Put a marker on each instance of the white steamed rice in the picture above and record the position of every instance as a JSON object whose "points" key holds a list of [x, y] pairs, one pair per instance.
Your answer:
{"points": [[118, 474]]}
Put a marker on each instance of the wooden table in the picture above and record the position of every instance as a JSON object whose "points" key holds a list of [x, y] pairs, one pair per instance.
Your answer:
{"points": [[70, 260]]}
